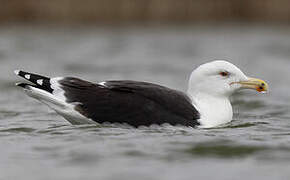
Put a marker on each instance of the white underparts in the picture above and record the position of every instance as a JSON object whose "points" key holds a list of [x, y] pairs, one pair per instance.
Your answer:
{"points": [[214, 111]]}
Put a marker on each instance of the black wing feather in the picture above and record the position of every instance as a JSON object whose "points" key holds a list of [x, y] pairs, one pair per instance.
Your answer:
{"points": [[34, 78], [132, 102]]}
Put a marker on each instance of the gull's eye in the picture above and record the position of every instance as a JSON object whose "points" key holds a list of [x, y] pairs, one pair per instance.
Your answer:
{"points": [[224, 73]]}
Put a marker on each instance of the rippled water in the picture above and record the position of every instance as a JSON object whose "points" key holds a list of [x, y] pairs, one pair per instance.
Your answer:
{"points": [[36, 143]]}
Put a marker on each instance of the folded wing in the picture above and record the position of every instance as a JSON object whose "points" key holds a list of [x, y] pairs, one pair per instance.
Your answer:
{"points": [[135, 103]]}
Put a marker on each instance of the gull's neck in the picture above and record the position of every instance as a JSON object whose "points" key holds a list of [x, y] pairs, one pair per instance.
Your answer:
{"points": [[214, 110]]}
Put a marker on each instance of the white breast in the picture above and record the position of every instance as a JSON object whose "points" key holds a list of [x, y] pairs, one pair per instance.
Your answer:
{"points": [[214, 111]]}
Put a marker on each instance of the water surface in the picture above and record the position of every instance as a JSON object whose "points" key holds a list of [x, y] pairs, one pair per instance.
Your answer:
{"points": [[36, 143]]}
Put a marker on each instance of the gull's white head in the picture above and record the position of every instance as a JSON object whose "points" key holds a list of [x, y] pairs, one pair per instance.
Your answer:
{"points": [[221, 78], [210, 86]]}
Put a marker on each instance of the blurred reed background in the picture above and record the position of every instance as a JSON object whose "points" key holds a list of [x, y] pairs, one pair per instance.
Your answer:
{"points": [[159, 41], [149, 11]]}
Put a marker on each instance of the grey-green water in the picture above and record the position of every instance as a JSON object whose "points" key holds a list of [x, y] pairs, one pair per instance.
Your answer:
{"points": [[36, 143]]}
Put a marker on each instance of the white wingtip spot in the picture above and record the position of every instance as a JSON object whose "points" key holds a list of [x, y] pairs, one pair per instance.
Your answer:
{"points": [[40, 82], [17, 72], [103, 84], [27, 76]]}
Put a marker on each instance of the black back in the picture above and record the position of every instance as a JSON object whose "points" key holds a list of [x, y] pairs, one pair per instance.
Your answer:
{"points": [[131, 102]]}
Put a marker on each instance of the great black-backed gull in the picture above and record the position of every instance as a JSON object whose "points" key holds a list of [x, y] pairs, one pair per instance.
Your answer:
{"points": [[205, 104]]}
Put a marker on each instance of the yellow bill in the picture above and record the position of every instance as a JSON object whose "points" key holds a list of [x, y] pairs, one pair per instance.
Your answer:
{"points": [[254, 83]]}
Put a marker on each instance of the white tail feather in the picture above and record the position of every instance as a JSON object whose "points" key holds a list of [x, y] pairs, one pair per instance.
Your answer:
{"points": [[58, 103]]}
